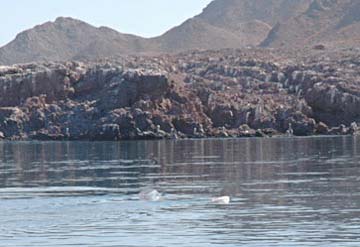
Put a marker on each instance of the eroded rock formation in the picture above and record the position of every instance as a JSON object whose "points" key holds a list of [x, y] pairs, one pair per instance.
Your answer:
{"points": [[228, 93]]}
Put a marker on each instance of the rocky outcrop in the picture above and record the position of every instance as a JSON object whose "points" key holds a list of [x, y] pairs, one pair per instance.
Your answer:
{"points": [[228, 93], [20, 82]]}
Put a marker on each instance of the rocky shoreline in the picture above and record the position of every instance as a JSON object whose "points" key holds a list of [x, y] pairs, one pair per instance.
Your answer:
{"points": [[227, 93]]}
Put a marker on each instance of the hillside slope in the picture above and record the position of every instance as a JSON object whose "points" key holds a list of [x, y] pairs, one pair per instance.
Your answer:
{"points": [[330, 22], [68, 38], [287, 24], [231, 24]]}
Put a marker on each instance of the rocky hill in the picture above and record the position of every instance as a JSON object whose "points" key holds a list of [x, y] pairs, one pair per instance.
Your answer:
{"points": [[222, 24], [68, 38], [231, 24], [333, 23], [228, 93]]}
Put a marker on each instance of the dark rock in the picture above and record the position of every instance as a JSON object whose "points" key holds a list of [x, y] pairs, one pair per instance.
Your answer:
{"points": [[185, 126], [12, 121], [44, 135], [260, 133], [222, 115], [143, 120], [319, 47], [164, 123], [322, 129], [108, 132], [301, 125], [270, 132]]}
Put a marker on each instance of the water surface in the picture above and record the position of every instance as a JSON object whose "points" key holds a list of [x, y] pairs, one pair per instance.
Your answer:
{"points": [[285, 192]]}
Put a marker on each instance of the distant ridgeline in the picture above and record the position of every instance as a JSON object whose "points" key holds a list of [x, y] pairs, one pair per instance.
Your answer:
{"points": [[285, 24]]}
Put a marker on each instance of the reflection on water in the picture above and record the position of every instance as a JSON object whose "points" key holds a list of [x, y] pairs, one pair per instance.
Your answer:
{"points": [[284, 192]]}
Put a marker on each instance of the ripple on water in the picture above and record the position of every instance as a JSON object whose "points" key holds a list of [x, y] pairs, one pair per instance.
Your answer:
{"points": [[291, 192]]}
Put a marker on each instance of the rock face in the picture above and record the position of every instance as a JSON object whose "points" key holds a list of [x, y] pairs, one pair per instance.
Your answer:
{"points": [[21, 82], [228, 93]]}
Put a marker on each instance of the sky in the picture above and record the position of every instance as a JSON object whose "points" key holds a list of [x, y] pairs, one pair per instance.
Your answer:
{"points": [[147, 18]]}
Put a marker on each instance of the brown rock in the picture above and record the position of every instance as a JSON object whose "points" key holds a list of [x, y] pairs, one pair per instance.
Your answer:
{"points": [[322, 129]]}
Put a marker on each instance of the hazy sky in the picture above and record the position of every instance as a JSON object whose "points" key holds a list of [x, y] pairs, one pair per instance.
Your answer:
{"points": [[142, 17]]}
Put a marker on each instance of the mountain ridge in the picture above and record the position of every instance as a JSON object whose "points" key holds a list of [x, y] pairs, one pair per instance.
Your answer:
{"points": [[332, 23], [222, 24]]}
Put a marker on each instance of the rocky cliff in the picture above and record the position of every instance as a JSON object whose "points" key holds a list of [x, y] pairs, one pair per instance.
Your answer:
{"points": [[193, 94]]}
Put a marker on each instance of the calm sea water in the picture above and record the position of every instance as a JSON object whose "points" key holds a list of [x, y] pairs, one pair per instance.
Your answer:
{"points": [[285, 192]]}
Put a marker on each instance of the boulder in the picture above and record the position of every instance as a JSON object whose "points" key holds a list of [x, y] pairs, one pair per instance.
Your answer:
{"points": [[45, 135], [322, 129], [186, 126], [221, 115], [107, 132]]}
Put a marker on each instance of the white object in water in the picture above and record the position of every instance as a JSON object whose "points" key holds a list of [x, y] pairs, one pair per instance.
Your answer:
{"points": [[221, 200], [150, 195]]}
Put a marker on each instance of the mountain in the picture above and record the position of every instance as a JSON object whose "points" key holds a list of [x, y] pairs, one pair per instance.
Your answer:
{"points": [[68, 38], [231, 24], [222, 24], [232, 14], [197, 34], [332, 23]]}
